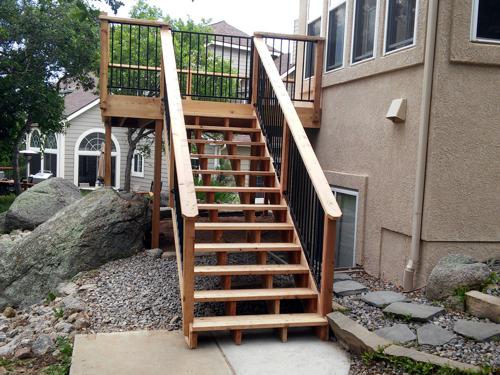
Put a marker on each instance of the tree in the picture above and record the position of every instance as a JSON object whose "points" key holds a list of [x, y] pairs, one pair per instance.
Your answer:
{"points": [[43, 45]]}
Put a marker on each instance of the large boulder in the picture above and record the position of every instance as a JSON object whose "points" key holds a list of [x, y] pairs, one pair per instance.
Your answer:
{"points": [[3, 229], [455, 271], [100, 227], [39, 203]]}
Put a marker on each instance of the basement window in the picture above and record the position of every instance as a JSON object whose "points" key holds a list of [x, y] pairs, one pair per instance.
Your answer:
{"points": [[486, 21], [345, 240], [138, 165], [336, 35], [364, 26], [400, 24]]}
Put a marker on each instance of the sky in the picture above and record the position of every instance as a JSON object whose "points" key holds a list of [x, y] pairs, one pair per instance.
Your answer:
{"points": [[247, 15]]}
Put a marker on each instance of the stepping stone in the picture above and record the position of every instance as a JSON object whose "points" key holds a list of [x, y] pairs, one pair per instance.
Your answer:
{"points": [[477, 330], [399, 333], [414, 311], [338, 276], [383, 298], [348, 288], [431, 334]]}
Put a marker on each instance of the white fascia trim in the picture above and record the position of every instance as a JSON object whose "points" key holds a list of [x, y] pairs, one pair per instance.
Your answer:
{"points": [[83, 110]]}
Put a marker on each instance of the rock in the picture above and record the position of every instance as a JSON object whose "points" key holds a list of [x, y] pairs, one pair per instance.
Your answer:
{"points": [[72, 318], [86, 287], [399, 333], [23, 353], [38, 204], [483, 305], [174, 319], [348, 288], [478, 331], [64, 327], [3, 337], [382, 298], [71, 305], [9, 312], [42, 345], [455, 271], [413, 311], [341, 276], [455, 303], [154, 253], [102, 226], [399, 351], [3, 227], [353, 335], [431, 334], [67, 288], [81, 323]]}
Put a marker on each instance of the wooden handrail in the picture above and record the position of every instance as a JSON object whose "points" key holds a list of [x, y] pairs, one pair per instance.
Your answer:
{"points": [[189, 205], [300, 37], [292, 119], [132, 21]]}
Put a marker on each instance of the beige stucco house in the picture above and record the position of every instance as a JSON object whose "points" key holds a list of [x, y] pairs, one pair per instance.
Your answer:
{"points": [[416, 178]]}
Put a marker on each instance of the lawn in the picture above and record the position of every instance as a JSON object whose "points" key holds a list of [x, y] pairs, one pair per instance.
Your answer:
{"points": [[6, 201]]}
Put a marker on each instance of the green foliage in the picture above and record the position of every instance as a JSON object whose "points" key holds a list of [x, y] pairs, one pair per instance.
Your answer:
{"points": [[409, 366], [460, 293], [50, 297], [219, 197], [6, 201], [64, 364], [58, 312], [493, 278]]}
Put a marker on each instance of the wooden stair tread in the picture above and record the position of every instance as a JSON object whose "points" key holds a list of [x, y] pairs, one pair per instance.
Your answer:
{"points": [[236, 189], [242, 226], [241, 207], [224, 142], [246, 247], [253, 294], [216, 129], [251, 269], [229, 157], [222, 323], [233, 173]]}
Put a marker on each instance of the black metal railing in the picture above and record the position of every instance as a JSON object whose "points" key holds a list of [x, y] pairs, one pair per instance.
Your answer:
{"points": [[134, 59], [214, 67]]}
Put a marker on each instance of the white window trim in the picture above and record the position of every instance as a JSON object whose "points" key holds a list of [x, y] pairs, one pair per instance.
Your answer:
{"points": [[473, 31], [59, 151], [331, 8], [77, 153], [133, 171], [375, 34], [386, 53], [354, 193]]}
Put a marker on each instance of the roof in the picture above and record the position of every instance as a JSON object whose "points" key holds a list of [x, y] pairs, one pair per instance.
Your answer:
{"points": [[78, 99], [282, 61], [222, 27]]}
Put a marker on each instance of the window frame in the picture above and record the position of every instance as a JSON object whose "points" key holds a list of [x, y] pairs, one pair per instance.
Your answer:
{"points": [[375, 34], [355, 193], [133, 171], [473, 30], [386, 29], [312, 66], [332, 8]]}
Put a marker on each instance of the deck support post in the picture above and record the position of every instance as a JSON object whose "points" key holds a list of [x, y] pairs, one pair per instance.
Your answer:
{"points": [[318, 80], [188, 274], [326, 292], [107, 154], [155, 235]]}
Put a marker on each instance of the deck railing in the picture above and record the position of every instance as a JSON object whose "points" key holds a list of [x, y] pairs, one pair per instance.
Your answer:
{"points": [[313, 207]]}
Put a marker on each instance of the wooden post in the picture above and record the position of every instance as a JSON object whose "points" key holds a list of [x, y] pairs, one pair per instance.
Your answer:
{"points": [[284, 159], [318, 80], [189, 80], [155, 235], [188, 273], [103, 74], [255, 75], [171, 167], [326, 292], [107, 154]]}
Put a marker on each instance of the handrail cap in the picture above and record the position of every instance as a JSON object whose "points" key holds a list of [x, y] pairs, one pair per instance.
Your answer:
{"points": [[300, 37], [133, 21]]}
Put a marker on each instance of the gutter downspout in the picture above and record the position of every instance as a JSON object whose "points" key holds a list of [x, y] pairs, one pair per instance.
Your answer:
{"points": [[430, 51]]}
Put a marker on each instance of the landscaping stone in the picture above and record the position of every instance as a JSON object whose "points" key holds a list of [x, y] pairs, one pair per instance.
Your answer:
{"points": [[478, 331], [67, 288], [455, 271], [9, 312], [431, 334], [42, 345], [348, 287], [23, 353], [3, 227], [399, 333], [341, 276], [483, 305], [102, 226], [353, 335], [414, 311], [399, 351], [71, 305], [383, 298], [154, 253], [39, 203]]}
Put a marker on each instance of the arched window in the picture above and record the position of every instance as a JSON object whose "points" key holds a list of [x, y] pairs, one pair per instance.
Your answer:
{"points": [[35, 140], [50, 142], [94, 142], [50, 153]]}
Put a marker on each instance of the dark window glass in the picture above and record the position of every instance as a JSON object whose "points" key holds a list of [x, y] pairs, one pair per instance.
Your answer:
{"points": [[88, 167], [313, 29], [364, 29], [336, 31], [50, 163], [488, 19], [400, 24]]}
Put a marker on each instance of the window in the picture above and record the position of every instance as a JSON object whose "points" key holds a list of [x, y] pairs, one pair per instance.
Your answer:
{"points": [[400, 27], [313, 29], [486, 21], [345, 242], [35, 139], [138, 165], [365, 16], [46, 158], [336, 34]]}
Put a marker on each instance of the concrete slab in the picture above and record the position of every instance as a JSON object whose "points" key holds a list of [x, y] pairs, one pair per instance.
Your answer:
{"points": [[146, 353], [264, 353], [348, 288]]}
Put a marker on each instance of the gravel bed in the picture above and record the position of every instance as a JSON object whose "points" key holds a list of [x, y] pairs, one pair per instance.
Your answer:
{"points": [[459, 348]]}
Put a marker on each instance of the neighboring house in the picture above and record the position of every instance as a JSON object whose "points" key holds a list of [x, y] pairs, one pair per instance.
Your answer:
{"points": [[394, 181], [74, 154]]}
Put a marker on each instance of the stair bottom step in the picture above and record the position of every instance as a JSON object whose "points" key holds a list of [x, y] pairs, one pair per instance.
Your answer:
{"points": [[243, 322]]}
